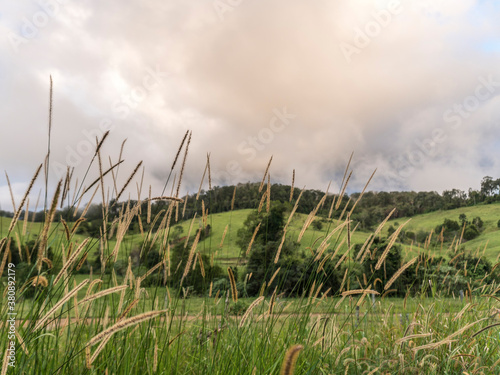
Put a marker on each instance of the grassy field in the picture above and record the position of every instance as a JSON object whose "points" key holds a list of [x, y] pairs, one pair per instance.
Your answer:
{"points": [[489, 238], [103, 323]]}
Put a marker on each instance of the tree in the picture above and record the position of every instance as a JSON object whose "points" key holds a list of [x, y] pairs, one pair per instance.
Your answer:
{"points": [[318, 225], [462, 218], [271, 226]]}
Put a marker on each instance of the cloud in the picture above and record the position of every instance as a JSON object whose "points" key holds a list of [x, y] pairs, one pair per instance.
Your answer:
{"points": [[225, 74]]}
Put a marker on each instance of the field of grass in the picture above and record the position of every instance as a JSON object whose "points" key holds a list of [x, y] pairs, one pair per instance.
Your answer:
{"points": [[489, 238], [57, 321]]}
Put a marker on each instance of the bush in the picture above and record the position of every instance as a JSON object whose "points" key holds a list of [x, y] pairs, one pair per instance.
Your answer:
{"points": [[471, 232], [238, 308], [317, 225]]}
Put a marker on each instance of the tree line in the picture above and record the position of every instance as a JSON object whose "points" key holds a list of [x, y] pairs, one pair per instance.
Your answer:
{"points": [[370, 210]]}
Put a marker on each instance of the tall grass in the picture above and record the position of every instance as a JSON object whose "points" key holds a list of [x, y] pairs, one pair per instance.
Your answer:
{"points": [[104, 324]]}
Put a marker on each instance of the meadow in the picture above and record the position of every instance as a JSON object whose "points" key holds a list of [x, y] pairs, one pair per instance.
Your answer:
{"points": [[153, 319]]}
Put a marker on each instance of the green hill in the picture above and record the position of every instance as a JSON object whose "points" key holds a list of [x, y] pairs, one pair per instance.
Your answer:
{"points": [[489, 237]]}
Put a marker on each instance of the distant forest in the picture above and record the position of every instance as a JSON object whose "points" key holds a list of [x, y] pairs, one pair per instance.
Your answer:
{"points": [[369, 212]]}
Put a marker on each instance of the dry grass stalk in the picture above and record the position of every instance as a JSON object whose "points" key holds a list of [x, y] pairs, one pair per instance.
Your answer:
{"points": [[19, 250], [162, 226], [278, 253], [99, 348], [313, 288], [265, 174], [148, 215], [233, 199], [342, 192], [203, 211], [91, 286], [249, 310], [296, 205], [368, 240], [485, 328], [393, 239], [462, 312], [359, 291], [345, 209], [70, 261], [232, 280], [209, 173], [455, 257], [343, 280], [184, 206], [179, 150], [342, 258], [201, 182], [175, 199], [100, 177], [66, 229], [103, 206], [271, 302], [5, 363], [324, 244], [183, 165], [292, 187], [45, 231], [360, 301], [155, 354], [399, 272], [189, 231], [317, 291], [253, 239], [191, 254], [115, 189], [290, 360], [274, 276], [339, 302], [21, 342], [268, 193], [311, 217], [103, 293], [202, 267], [124, 223], [11, 193], [26, 217], [82, 216], [223, 236], [362, 192], [375, 234], [151, 270], [322, 263], [175, 338], [81, 261], [121, 325], [130, 306], [21, 205], [128, 181], [76, 225], [261, 203], [61, 302], [449, 338], [342, 186]]}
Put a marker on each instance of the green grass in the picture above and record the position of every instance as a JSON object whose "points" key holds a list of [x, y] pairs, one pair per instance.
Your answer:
{"points": [[489, 237]]}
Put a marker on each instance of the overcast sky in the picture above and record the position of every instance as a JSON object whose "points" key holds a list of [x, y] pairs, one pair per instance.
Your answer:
{"points": [[411, 87]]}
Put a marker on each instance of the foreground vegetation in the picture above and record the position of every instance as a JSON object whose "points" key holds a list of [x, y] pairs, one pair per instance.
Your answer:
{"points": [[144, 292]]}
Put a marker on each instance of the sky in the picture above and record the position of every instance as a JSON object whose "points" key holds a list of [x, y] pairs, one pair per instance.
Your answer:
{"points": [[412, 88]]}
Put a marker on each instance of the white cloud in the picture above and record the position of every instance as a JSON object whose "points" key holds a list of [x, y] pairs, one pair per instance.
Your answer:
{"points": [[223, 79]]}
